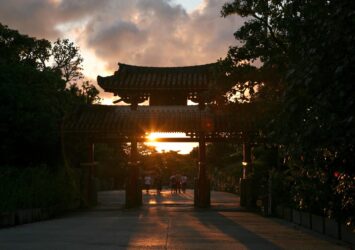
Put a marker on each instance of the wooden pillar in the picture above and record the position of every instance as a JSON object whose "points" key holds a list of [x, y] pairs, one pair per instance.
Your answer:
{"points": [[203, 186], [87, 183], [91, 188], [134, 103], [246, 188], [91, 152], [93, 177], [133, 185], [247, 160]]}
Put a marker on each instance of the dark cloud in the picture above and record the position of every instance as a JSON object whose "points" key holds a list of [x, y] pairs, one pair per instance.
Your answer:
{"points": [[41, 18], [116, 36], [35, 17]]}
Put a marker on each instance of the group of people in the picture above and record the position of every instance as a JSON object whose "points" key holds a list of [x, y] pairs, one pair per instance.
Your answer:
{"points": [[178, 183], [148, 181]]}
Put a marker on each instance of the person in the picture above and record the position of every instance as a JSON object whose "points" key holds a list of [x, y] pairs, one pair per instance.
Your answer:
{"points": [[173, 184], [147, 183], [183, 183], [178, 183], [159, 185]]}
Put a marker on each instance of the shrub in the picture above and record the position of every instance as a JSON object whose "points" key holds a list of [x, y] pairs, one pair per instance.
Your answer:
{"points": [[36, 187]]}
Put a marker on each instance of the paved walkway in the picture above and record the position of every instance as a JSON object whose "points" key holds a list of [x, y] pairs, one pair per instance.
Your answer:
{"points": [[168, 221]]}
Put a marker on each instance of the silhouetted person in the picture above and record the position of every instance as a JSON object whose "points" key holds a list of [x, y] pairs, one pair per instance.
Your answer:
{"points": [[159, 185], [173, 184], [183, 183], [147, 183], [178, 183]]}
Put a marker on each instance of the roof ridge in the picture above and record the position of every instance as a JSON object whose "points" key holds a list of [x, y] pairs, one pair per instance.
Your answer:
{"points": [[167, 67]]}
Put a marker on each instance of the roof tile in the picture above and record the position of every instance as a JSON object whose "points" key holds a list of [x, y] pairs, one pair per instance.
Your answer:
{"points": [[121, 119], [130, 77]]}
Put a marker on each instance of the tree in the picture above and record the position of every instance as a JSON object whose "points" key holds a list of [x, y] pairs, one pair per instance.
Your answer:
{"points": [[307, 68], [314, 69], [163, 165], [18, 48], [112, 167], [67, 60], [68, 63], [34, 98]]}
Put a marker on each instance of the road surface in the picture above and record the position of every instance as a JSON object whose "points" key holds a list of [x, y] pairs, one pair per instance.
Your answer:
{"points": [[167, 221]]}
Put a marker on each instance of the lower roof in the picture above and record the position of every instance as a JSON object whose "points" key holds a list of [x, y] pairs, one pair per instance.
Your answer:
{"points": [[121, 121]]}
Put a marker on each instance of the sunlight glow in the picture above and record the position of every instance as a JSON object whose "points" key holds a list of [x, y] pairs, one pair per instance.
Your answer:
{"points": [[152, 137], [55, 2], [180, 147], [106, 100], [155, 135]]}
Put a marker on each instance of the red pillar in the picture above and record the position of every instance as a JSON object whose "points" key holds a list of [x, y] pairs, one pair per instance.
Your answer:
{"points": [[133, 186], [203, 186]]}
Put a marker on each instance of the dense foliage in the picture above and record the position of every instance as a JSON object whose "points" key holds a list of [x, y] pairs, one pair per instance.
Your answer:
{"points": [[36, 187], [165, 164], [112, 165], [37, 87], [300, 55], [224, 165]]}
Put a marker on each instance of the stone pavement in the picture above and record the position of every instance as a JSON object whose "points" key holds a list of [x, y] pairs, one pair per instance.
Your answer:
{"points": [[167, 221]]}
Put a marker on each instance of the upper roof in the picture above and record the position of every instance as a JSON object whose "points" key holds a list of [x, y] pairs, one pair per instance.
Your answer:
{"points": [[190, 78]]}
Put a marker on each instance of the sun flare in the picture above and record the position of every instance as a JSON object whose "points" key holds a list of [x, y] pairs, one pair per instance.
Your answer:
{"points": [[181, 147], [152, 137]]}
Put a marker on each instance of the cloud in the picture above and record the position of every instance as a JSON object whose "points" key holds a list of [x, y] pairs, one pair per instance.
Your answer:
{"points": [[115, 37], [142, 32], [161, 34], [34, 17], [41, 18]]}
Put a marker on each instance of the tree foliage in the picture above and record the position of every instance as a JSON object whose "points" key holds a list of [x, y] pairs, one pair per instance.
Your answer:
{"points": [[162, 165], [67, 60], [306, 53], [35, 96]]}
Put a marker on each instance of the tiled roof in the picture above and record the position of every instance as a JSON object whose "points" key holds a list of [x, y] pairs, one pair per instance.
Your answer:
{"points": [[122, 120], [129, 77]]}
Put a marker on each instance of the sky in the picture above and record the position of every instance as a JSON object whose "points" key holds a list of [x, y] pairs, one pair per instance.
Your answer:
{"points": [[139, 32]]}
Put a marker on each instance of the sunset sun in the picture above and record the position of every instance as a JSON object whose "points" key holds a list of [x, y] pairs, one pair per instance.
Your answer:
{"points": [[181, 147], [152, 137]]}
